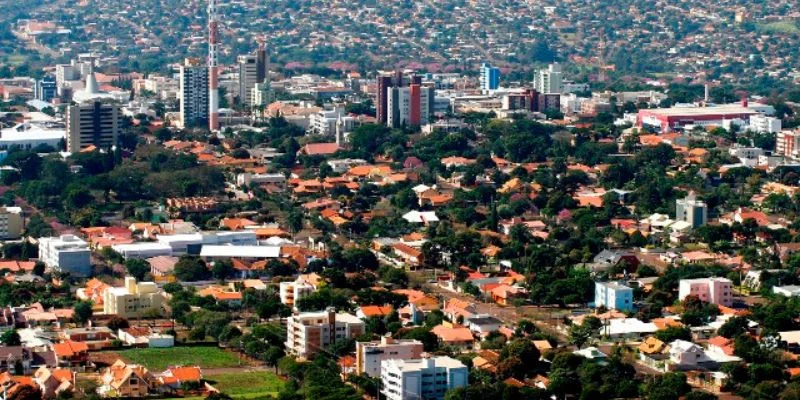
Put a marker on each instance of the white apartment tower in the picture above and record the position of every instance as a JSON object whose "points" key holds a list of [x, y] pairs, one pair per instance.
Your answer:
{"points": [[549, 80], [309, 332], [194, 93]]}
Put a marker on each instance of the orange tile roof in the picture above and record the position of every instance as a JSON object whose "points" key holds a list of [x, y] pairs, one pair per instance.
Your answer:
{"points": [[376, 311], [452, 335], [70, 348]]}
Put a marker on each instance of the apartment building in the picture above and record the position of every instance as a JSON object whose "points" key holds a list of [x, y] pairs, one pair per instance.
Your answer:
{"points": [[427, 378], [613, 296], [66, 253], [549, 80], [10, 223], [691, 210], [369, 355], [303, 286], [309, 332], [194, 93], [787, 143], [490, 78], [712, 290], [133, 300], [409, 106]]}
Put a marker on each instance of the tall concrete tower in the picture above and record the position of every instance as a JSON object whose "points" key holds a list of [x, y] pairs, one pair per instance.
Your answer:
{"points": [[213, 68]]}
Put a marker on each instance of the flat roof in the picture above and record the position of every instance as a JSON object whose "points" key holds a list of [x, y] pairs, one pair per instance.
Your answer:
{"points": [[240, 251], [695, 111]]}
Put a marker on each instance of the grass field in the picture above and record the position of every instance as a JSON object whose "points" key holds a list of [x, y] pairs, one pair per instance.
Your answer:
{"points": [[157, 360], [247, 385], [780, 27]]}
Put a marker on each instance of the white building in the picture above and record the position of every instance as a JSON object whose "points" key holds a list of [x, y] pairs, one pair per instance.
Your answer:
{"points": [[549, 80], [764, 124], [303, 286], [788, 290], [133, 300], [309, 332], [409, 106], [712, 290], [325, 122], [180, 243], [613, 296], [29, 135], [248, 77], [193, 93], [142, 250], [66, 253], [428, 378], [369, 355], [691, 210]]}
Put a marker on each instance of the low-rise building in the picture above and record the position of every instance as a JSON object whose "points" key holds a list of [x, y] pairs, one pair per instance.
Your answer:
{"points": [[428, 378], [10, 223], [66, 253], [304, 285], [712, 290], [369, 355], [613, 296], [134, 299], [126, 380]]}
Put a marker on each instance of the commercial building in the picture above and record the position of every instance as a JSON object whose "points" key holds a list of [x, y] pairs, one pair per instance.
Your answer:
{"points": [[369, 355], [712, 290], [308, 333], [490, 77], [45, 89], [10, 223], [549, 80], [252, 70], [691, 210], [66, 253], [428, 378], [133, 300], [194, 93], [31, 134], [95, 119], [613, 296], [666, 120]]}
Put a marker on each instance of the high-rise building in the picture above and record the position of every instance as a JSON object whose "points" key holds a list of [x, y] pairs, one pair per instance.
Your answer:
{"points": [[490, 77], [384, 83], [691, 210], [213, 67], [262, 63], [194, 93], [45, 89], [427, 378], [549, 80], [248, 77], [309, 332], [409, 106], [10, 222], [94, 120]]}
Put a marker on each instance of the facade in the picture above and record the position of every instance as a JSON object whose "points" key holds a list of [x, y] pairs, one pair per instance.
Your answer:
{"points": [[613, 296], [764, 124], [691, 210], [133, 300], [490, 77], [66, 253], [45, 89], [369, 355], [712, 290], [248, 77], [409, 106], [263, 94], [549, 80], [328, 122], [94, 120], [665, 120], [787, 143], [194, 93], [10, 223], [290, 292], [307, 333], [126, 381], [428, 378]]}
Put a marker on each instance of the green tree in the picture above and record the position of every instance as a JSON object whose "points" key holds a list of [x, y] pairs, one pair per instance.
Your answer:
{"points": [[82, 311], [137, 268], [10, 338]]}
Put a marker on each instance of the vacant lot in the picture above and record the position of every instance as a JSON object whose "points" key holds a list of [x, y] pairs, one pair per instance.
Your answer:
{"points": [[247, 385], [157, 360]]}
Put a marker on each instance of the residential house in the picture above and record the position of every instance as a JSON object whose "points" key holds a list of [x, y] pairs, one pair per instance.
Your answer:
{"points": [[454, 335], [483, 325], [145, 337], [175, 378], [126, 380], [71, 354]]}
